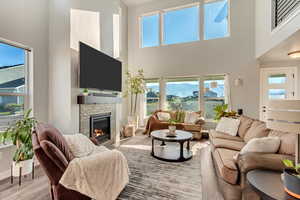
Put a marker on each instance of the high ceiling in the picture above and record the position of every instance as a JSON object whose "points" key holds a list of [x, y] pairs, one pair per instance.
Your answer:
{"points": [[279, 53], [137, 2]]}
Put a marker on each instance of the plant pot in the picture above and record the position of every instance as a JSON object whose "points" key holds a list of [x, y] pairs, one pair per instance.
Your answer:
{"points": [[291, 183], [27, 167], [172, 131], [85, 94]]}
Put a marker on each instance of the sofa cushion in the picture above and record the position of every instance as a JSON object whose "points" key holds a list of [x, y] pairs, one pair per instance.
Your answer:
{"points": [[288, 142], [228, 144], [226, 165], [261, 145], [217, 134], [163, 116], [228, 126], [192, 127], [258, 129], [245, 124]]}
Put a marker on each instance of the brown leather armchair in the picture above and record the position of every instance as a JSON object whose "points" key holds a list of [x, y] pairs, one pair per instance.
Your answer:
{"points": [[54, 155]]}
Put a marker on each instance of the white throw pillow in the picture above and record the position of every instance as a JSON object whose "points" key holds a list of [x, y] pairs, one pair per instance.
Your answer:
{"points": [[163, 116], [229, 126], [262, 145], [80, 145], [191, 117]]}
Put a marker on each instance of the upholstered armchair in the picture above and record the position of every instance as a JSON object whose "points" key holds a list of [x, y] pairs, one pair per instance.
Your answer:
{"points": [[54, 155]]}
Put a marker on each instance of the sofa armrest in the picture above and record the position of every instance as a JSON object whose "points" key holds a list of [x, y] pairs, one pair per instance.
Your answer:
{"points": [[251, 161]]}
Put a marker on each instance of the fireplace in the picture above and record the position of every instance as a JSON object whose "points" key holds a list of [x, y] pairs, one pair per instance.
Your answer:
{"points": [[100, 127]]}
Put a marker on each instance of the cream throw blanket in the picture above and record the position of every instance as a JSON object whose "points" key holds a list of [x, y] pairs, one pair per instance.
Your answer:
{"points": [[100, 173]]}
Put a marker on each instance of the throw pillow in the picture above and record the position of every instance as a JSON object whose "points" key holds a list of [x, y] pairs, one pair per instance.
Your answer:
{"points": [[191, 117], [180, 115], [163, 116], [228, 126], [258, 129], [262, 145]]}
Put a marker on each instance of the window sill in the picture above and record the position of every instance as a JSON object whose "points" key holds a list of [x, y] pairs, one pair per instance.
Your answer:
{"points": [[5, 146]]}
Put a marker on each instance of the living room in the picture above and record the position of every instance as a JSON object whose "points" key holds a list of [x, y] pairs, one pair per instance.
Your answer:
{"points": [[184, 93]]}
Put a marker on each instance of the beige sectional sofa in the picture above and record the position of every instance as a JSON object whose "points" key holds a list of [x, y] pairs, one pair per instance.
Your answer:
{"points": [[232, 172]]}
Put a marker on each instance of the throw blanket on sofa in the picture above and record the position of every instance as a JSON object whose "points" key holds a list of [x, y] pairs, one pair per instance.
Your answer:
{"points": [[101, 175]]}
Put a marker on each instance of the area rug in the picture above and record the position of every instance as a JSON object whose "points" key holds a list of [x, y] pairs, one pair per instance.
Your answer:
{"points": [[152, 179]]}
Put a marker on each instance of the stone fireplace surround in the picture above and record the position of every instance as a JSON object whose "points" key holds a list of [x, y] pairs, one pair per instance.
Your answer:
{"points": [[92, 105]]}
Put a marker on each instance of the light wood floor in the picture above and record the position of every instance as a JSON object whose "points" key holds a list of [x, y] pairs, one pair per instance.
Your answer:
{"points": [[29, 190]]}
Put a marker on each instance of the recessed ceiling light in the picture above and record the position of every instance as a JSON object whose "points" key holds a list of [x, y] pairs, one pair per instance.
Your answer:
{"points": [[294, 54]]}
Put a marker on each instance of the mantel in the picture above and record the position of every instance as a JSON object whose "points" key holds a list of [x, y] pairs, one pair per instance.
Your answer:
{"points": [[98, 100]]}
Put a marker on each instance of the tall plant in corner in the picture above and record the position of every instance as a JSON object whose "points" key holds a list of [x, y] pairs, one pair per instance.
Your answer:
{"points": [[135, 85], [20, 135]]}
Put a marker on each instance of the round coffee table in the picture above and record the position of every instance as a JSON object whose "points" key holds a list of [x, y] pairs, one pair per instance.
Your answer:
{"points": [[170, 152]]}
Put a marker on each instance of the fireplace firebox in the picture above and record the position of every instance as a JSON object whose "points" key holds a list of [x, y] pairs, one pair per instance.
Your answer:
{"points": [[100, 127]]}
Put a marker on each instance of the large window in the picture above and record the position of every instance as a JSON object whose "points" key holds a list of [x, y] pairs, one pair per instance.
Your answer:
{"points": [[13, 90], [181, 25], [150, 30], [152, 96], [214, 90], [216, 19], [182, 94]]}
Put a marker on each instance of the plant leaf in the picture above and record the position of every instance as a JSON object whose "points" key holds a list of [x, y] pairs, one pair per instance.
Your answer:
{"points": [[288, 163]]}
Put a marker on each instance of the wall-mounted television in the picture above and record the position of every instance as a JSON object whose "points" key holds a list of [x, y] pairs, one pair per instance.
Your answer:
{"points": [[98, 70]]}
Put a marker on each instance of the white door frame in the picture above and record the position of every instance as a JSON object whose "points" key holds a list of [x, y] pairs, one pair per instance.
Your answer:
{"points": [[262, 70]]}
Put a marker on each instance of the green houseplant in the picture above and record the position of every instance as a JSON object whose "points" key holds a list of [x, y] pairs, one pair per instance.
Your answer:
{"points": [[20, 135], [221, 111], [85, 92], [135, 85], [291, 178]]}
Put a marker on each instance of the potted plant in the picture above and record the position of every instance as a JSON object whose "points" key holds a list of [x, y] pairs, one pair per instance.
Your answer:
{"points": [[291, 178], [135, 85], [85, 92], [172, 127], [221, 111], [20, 135]]}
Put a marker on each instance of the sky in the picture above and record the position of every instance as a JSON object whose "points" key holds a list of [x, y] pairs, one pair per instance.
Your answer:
{"points": [[10, 55], [183, 25]]}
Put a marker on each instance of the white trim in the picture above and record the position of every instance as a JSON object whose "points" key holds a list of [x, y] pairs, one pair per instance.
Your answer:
{"points": [[15, 44], [181, 7]]}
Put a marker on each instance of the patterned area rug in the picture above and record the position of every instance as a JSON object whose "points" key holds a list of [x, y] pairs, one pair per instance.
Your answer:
{"points": [[153, 179]]}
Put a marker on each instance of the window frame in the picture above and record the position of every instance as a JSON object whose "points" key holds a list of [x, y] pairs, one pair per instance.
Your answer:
{"points": [[164, 11], [183, 79], [27, 84], [228, 23], [205, 99], [140, 20], [152, 80]]}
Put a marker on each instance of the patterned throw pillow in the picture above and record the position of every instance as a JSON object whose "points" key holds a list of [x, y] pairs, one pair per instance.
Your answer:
{"points": [[180, 115]]}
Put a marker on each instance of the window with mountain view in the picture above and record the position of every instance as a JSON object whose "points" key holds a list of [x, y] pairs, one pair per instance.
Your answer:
{"points": [[181, 25], [152, 96], [182, 94], [216, 19], [214, 90], [12, 83], [149, 30]]}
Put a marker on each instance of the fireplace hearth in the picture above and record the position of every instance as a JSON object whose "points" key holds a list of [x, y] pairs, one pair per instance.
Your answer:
{"points": [[100, 127]]}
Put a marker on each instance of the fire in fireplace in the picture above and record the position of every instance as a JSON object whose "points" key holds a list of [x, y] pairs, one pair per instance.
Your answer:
{"points": [[100, 127]]}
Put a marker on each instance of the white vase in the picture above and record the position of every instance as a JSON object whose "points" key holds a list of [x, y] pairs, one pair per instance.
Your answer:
{"points": [[172, 130], [27, 167]]}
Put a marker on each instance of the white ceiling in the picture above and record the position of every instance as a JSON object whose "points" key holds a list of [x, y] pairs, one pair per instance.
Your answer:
{"points": [[279, 53], [137, 2]]}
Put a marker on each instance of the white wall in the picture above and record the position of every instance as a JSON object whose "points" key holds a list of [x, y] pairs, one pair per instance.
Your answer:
{"points": [[266, 39], [234, 55], [64, 111], [26, 22]]}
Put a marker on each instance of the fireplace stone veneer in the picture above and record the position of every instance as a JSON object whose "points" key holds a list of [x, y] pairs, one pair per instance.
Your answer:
{"points": [[88, 110]]}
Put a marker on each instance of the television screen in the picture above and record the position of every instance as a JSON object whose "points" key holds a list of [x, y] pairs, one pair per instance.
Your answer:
{"points": [[98, 70]]}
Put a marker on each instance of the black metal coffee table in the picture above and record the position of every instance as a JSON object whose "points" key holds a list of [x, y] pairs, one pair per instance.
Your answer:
{"points": [[168, 151]]}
